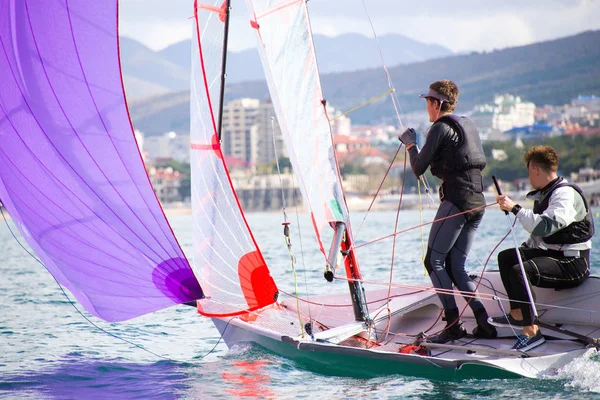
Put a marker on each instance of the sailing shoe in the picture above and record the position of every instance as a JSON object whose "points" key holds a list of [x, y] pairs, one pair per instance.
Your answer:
{"points": [[526, 343], [449, 334], [484, 329], [505, 321]]}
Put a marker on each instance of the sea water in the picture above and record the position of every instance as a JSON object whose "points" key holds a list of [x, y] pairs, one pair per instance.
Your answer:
{"points": [[50, 351]]}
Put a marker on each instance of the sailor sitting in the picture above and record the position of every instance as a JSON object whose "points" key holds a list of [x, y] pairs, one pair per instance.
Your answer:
{"points": [[556, 255]]}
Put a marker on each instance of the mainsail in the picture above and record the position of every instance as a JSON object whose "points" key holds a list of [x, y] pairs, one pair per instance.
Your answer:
{"points": [[234, 274], [288, 56], [71, 175]]}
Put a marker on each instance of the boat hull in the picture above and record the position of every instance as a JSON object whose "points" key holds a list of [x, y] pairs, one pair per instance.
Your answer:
{"points": [[351, 350]]}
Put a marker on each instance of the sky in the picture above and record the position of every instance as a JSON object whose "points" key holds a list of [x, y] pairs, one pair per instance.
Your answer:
{"points": [[462, 26]]}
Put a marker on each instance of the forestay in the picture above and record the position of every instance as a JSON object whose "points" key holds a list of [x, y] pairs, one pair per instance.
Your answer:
{"points": [[286, 48], [71, 175], [231, 268]]}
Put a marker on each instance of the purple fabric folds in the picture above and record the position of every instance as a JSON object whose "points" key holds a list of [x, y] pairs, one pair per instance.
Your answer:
{"points": [[71, 175]]}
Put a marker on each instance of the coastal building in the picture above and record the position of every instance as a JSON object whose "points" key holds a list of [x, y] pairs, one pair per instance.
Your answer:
{"points": [[170, 145], [166, 183], [510, 111], [506, 113], [535, 131], [269, 141], [239, 139], [340, 124]]}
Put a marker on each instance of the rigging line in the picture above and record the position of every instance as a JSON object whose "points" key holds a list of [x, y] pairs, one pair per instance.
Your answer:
{"points": [[431, 289], [394, 247], [395, 101], [475, 294], [301, 247], [424, 224], [283, 202], [376, 193], [421, 229], [286, 224], [72, 303], [293, 262], [363, 104], [380, 300]]}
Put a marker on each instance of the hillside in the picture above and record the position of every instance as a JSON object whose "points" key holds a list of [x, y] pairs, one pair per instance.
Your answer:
{"points": [[549, 72]]}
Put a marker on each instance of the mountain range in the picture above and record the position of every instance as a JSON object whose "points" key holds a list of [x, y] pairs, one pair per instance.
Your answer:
{"points": [[550, 72], [149, 72]]}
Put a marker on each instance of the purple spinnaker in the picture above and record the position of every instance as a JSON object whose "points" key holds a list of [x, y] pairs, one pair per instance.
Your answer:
{"points": [[71, 175]]}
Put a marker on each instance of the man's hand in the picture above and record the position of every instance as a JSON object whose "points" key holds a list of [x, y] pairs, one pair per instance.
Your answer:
{"points": [[505, 203], [408, 137]]}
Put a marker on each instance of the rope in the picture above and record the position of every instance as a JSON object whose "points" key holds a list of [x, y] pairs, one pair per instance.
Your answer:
{"points": [[283, 202], [395, 101], [363, 104], [379, 189], [421, 228], [90, 321], [424, 224], [286, 225]]}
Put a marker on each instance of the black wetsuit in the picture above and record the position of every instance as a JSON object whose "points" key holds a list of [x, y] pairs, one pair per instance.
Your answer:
{"points": [[454, 153]]}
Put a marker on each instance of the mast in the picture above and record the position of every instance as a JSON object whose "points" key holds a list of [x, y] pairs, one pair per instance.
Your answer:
{"points": [[223, 67]]}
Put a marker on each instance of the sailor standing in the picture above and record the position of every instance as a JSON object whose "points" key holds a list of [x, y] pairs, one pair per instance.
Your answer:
{"points": [[454, 153]]}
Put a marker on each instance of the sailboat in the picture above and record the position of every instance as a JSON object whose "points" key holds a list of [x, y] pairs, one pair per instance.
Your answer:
{"points": [[74, 183]]}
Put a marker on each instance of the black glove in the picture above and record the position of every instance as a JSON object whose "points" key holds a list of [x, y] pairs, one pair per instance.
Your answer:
{"points": [[408, 137]]}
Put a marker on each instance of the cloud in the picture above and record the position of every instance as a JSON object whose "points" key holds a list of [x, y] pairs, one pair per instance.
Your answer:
{"points": [[461, 26]]}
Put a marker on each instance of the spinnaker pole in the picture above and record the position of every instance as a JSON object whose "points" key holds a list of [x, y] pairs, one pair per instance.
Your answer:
{"points": [[223, 67]]}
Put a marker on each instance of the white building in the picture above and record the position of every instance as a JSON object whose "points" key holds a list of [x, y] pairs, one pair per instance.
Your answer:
{"points": [[239, 139], [511, 112], [268, 130], [170, 145], [340, 124]]}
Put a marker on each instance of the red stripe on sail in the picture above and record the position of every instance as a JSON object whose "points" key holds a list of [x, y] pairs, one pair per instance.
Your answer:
{"points": [[255, 280], [214, 146]]}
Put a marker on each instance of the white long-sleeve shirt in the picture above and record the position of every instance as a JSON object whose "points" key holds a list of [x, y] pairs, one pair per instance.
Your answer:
{"points": [[565, 206]]}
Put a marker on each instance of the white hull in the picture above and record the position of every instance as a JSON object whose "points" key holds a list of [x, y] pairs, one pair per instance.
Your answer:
{"points": [[343, 348]]}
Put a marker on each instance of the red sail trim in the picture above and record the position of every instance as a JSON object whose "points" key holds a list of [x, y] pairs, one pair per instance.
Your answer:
{"points": [[270, 289], [257, 285], [214, 146], [208, 99], [277, 8], [316, 228], [249, 315], [255, 280], [222, 11]]}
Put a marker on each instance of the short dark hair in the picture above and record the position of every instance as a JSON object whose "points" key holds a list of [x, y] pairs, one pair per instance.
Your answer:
{"points": [[448, 89], [544, 157]]}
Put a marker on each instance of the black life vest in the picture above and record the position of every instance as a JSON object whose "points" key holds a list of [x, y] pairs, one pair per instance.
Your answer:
{"points": [[462, 152], [576, 232], [459, 164]]}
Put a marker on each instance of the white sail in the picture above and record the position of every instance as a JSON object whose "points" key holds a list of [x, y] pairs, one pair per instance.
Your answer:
{"points": [[286, 48], [227, 261]]}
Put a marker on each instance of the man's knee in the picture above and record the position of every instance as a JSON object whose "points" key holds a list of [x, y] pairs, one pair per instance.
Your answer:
{"points": [[427, 261], [507, 259]]}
